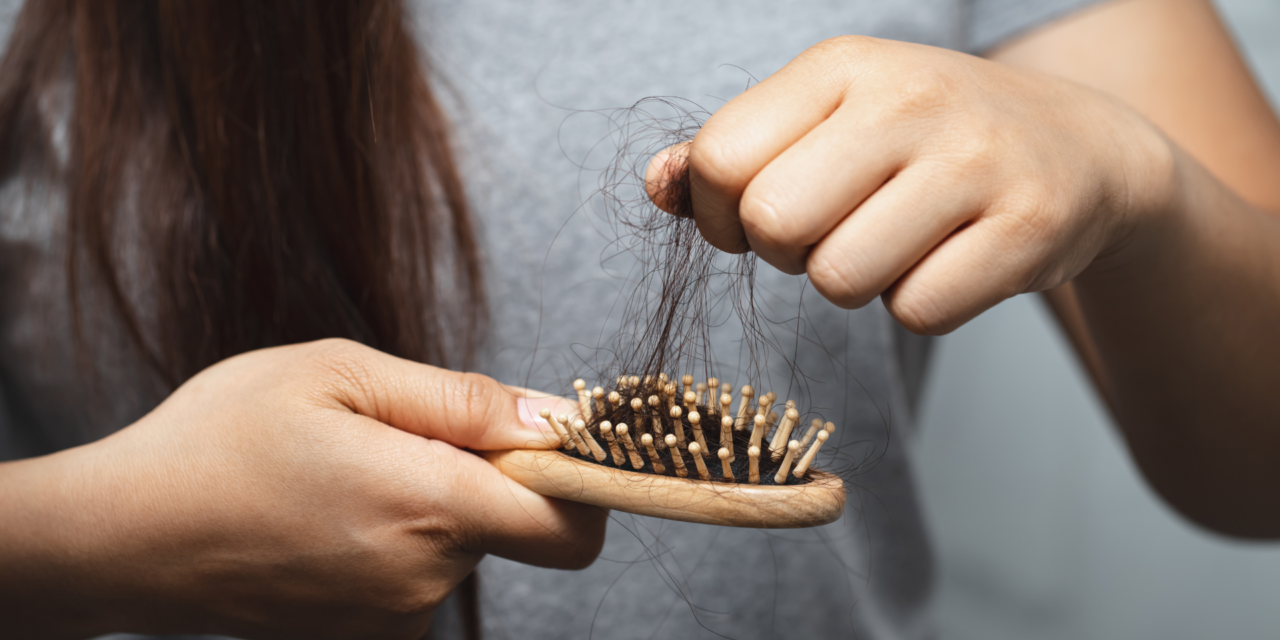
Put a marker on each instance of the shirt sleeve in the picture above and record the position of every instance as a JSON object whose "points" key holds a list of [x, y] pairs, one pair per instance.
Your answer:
{"points": [[993, 22]]}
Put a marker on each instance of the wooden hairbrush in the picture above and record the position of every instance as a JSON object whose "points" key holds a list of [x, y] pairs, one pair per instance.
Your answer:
{"points": [[652, 447]]}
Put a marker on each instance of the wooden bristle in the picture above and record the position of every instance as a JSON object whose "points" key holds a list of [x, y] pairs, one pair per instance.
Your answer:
{"points": [[631, 426], [606, 430], [597, 451], [696, 452], [757, 431], [814, 426], [712, 399], [744, 409], [675, 456], [812, 453], [657, 417], [778, 446], [792, 448], [584, 398], [597, 394], [577, 437], [726, 436], [770, 421], [565, 441], [636, 461], [676, 425], [766, 402], [695, 422], [647, 441]]}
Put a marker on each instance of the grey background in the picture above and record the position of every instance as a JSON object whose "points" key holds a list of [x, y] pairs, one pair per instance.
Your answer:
{"points": [[1043, 527]]}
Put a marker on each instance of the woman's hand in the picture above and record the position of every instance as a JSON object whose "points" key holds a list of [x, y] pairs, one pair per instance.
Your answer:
{"points": [[944, 182], [318, 491]]}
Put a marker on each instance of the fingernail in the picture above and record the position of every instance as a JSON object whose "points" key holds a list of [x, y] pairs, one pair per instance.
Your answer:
{"points": [[531, 408]]}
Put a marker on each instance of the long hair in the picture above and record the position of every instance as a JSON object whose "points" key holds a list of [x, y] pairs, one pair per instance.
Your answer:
{"points": [[282, 168]]}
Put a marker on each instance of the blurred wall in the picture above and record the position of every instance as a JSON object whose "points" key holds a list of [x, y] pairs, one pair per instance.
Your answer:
{"points": [[1043, 527]]}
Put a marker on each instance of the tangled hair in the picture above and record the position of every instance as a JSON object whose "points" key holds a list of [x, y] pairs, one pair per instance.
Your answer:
{"points": [[241, 174], [688, 308], [684, 287]]}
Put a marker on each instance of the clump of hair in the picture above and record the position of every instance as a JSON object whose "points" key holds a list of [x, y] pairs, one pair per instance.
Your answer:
{"points": [[682, 289]]}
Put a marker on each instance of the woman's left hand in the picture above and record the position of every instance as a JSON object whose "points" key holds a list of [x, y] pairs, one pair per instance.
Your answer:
{"points": [[941, 181]]}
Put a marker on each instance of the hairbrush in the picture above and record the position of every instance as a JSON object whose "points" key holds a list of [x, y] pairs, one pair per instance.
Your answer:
{"points": [[682, 451]]}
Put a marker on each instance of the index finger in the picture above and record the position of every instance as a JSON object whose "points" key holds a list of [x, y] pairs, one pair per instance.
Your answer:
{"points": [[754, 128], [466, 410]]}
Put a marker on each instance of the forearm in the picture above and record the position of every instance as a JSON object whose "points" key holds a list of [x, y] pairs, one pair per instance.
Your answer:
{"points": [[46, 578], [1185, 317]]}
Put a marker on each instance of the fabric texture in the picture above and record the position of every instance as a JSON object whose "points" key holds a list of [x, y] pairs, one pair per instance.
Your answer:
{"points": [[532, 85]]}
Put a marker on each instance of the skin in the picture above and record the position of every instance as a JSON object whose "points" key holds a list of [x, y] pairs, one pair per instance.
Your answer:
{"points": [[1122, 160], [309, 491]]}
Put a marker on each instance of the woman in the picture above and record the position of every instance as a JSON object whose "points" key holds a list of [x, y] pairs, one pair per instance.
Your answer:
{"points": [[289, 491]]}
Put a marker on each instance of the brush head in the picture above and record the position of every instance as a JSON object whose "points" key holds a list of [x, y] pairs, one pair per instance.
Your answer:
{"points": [[673, 479]]}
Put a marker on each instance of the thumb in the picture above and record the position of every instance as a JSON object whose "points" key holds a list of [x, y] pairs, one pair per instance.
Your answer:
{"points": [[666, 180], [466, 410]]}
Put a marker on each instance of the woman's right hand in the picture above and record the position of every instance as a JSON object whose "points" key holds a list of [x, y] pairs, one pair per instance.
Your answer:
{"points": [[318, 490]]}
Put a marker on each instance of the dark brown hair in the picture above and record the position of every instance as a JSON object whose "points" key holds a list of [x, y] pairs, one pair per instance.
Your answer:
{"points": [[287, 165]]}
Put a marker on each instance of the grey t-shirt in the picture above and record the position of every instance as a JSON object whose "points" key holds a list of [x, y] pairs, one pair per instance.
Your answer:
{"points": [[526, 81]]}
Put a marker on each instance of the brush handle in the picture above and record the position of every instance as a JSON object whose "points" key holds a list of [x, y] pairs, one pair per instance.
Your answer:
{"points": [[557, 475]]}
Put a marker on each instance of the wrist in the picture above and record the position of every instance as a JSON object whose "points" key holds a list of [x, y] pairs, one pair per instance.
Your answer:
{"points": [[1151, 204], [47, 588]]}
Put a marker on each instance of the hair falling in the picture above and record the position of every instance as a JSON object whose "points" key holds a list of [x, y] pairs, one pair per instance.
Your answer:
{"points": [[641, 419]]}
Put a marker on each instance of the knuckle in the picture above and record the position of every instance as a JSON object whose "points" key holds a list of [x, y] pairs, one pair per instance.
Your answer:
{"points": [[414, 599], [587, 543], [925, 90], [919, 309], [715, 160], [1028, 220], [341, 366], [477, 396], [583, 556], [339, 355], [761, 219], [838, 283], [576, 549], [976, 147], [846, 46]]}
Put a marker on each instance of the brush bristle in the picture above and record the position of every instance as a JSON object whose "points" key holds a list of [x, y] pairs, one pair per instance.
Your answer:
{"points": [[650, 415]]}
